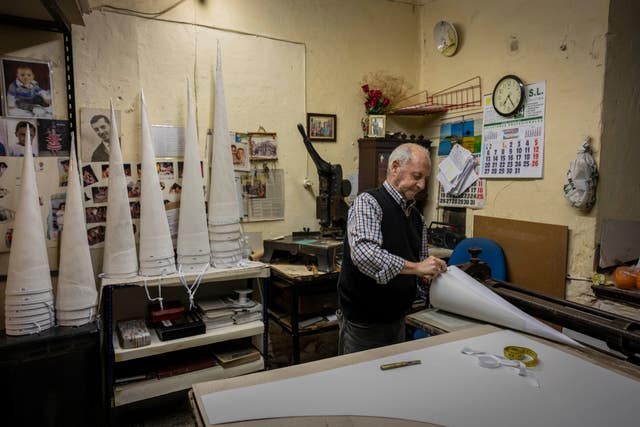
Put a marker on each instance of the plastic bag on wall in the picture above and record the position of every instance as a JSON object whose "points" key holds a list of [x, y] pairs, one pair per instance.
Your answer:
{"points": [[582, 179]]}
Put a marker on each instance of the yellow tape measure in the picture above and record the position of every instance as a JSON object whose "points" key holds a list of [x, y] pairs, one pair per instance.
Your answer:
{"points": [[514, 352]]}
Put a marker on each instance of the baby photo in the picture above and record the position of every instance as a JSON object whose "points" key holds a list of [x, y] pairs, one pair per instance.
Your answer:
{"points": [[28, 91], [17, 136]]}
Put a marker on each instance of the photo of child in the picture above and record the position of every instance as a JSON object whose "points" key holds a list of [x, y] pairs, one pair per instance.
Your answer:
{"points": [[17, 136], [165, 170], [28, 88], [63, 172], [96, 214], [3, 137], [88, 176], [54, 138], [95, 235], [100, 194]]}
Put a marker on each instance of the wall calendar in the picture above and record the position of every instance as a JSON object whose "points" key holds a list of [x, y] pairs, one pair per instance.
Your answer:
{"points": [[513, 147]]}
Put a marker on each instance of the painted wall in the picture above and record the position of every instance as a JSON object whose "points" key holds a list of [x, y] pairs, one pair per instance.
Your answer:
{"points": [[619, 192], [560, 42]]}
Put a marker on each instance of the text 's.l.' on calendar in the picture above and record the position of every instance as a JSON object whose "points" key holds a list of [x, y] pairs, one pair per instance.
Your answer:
{"points": [[513, 147]]}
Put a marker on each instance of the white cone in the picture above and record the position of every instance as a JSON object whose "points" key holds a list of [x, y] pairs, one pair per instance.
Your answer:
{"points": [[156, 247], [223, 199], [76, 281], [28, 271], [193, 238], [457, 292], [120, 258]]}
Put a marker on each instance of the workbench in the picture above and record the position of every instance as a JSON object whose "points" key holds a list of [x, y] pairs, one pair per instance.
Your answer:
{"points": [[577, 387], [296, 281]]}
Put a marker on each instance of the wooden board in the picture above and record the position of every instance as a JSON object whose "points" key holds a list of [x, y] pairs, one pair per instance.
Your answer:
{"points": [[536, 253]]}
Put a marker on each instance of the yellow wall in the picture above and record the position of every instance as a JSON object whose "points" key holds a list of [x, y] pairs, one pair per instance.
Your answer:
{"points": [[560, 42], [320, 51]]}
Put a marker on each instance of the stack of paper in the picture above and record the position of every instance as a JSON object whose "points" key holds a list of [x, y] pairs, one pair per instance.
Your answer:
{"points": [[456, 173], [216, 313], [247, 314]]}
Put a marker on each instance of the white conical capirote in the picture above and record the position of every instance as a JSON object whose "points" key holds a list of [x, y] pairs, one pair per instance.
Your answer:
{"points": [[120, 258], [223, 198], [76, 280], [156, 247], [193, 237], [457, 292], [28, 270]]}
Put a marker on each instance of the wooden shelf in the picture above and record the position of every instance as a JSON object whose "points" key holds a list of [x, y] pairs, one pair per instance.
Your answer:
{"points": [[140, 390], [211, 336], [253, 269]]}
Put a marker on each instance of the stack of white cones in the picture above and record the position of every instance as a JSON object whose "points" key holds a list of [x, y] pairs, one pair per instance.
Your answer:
{"points": [[156, 247], [28, 293], [193, 241], [120, 258], [228, 247], [76, 298]]}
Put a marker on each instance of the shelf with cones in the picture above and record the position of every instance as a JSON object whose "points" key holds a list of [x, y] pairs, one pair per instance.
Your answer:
{"points": [[252, 270], [211, 336], [141, 390]]}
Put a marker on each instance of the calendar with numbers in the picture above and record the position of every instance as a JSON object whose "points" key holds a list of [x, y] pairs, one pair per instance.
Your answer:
{"points": [[513, 147], [474, 197]]}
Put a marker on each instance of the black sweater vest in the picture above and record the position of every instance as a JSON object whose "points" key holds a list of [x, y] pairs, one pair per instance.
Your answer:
{"points": [[363, 300]]}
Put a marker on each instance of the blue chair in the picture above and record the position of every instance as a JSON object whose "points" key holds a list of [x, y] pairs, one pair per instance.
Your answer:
{"points": [[491, 253]]}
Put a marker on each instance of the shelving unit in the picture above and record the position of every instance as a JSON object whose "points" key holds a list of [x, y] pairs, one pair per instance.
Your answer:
{"points": [[122, 394]]}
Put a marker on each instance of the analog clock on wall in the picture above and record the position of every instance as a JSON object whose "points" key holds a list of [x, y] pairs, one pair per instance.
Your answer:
{"points": [[508, 95]]}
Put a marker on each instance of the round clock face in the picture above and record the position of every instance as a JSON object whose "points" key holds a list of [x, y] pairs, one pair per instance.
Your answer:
{"points": [[508, 95]]}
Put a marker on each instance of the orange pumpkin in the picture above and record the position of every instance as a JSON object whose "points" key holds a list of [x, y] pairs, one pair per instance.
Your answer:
{"points": [[624, 278]]}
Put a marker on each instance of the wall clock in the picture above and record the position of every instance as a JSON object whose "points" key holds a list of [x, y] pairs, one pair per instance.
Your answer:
{"points": [[445, 37], [508, 95]]}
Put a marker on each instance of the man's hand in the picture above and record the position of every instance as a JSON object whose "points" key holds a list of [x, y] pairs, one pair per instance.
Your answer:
{"points": [[430, 267]]}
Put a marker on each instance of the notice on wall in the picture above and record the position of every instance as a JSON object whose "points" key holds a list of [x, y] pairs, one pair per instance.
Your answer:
{"points": [[262, 194], [513, 147]]}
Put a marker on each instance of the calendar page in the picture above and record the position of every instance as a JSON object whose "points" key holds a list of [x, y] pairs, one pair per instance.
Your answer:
{"points": [[474, 197], [513, 147]]}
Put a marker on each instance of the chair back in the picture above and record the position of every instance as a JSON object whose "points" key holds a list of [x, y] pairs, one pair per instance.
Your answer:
{"points": [[491, 253]]}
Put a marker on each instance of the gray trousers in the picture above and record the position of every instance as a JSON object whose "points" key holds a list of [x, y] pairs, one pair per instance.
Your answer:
{"points": [[354, 337]]}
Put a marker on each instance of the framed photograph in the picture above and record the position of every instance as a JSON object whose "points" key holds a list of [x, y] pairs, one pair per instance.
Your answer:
{"points": [[377, 126], [264, 146], [28, 89], [240, 151], [95, 134], [322, 127]]}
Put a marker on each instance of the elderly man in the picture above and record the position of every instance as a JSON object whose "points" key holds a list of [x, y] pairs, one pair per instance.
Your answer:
{"points": [[385, 255]]}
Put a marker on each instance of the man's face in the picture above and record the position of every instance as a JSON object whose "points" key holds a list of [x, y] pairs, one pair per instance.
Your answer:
{"points": [[411, 178], [25, 75], [22, 135], [102, 129]]}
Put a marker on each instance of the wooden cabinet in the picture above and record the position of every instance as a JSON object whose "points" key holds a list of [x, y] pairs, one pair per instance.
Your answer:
{"points": [[374, 160]]}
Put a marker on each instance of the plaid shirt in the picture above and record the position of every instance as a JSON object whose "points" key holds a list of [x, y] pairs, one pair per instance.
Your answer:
{"points": [[365, 237]]}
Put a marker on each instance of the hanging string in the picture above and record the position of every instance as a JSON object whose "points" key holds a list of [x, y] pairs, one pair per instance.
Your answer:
{"points": [[159, 297], [191, 290]]}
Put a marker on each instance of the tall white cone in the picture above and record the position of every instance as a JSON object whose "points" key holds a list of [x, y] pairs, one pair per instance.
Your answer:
{"points": [[28, 278], [193, 239], [457, 292], [76, 280], [120, 258], [28, 261], [156, 247], [225, 233]]}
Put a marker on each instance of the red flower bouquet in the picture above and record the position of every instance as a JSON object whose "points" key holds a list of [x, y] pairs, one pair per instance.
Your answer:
{"points": [[374, 102]]}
